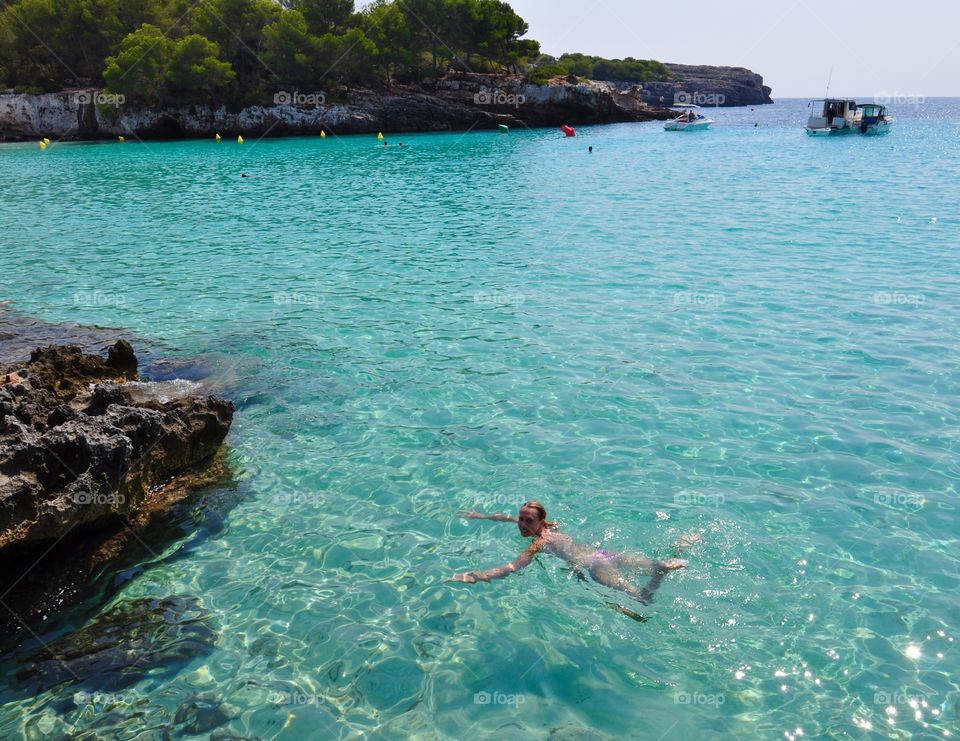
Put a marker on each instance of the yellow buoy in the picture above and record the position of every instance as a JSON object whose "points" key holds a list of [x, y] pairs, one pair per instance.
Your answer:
{"points": [[380, 136], [323, 134], [239, 140], [218, 137], [45, 140], [120, 139], [43, 145]]}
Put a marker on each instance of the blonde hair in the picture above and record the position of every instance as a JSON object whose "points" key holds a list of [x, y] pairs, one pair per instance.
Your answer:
{"points": [[540, 509]]}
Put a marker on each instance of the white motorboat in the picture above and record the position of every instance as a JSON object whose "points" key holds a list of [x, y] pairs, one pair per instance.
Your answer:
{"points": [[833, 116], [689, 119]]}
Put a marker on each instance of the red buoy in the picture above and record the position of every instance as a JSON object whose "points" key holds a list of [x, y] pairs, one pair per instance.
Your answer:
{"points": [[568, 130]]}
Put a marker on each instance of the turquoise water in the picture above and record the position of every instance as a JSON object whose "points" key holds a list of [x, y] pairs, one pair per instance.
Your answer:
{"points": [[746, 333]]}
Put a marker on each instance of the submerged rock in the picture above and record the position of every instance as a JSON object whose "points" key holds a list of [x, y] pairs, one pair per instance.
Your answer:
{"points": [[21, 334], [119, 647], [204, 713], [84, 462]]}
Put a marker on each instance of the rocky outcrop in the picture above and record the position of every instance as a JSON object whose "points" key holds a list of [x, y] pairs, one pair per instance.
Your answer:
{"points": [[512, 100], [707, 86], [457, 102], [84, 464]]}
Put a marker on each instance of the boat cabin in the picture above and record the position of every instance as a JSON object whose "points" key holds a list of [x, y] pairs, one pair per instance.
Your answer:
{"points": [[833, 113]]}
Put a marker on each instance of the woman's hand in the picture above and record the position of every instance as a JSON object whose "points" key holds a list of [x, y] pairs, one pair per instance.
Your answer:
{"points": [[472, 515]]}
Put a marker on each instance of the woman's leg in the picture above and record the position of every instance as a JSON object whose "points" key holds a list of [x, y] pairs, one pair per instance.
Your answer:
{"points": [[604, 572], [647, 566]]}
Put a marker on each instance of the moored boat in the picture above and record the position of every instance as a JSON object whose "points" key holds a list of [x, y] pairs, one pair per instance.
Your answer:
{"points": [[689, 119], [874, 119], [833, 116]]}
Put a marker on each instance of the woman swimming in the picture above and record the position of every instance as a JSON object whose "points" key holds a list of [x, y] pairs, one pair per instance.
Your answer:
{"points": [[604, 566]]}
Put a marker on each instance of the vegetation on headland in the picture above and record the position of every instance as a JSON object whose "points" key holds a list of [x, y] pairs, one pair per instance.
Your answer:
{"points": [[598, 68], [247, 51]]}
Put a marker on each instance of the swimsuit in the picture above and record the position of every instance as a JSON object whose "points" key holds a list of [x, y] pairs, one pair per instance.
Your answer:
{"points": [[603, 554]]}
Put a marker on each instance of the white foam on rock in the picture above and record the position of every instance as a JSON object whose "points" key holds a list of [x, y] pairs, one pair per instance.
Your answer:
{"points": [[162, 391]]}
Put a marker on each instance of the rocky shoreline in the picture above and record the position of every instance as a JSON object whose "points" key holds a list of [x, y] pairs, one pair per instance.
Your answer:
{"points": [[456, 102], [88, 457]]}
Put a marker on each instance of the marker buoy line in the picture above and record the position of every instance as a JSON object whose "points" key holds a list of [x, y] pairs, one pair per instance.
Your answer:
{"points": [[45, 140], [380, 136], [239, 140], [120, 139], [218, 137], [323, 134], [568, 130], [43, 145]]}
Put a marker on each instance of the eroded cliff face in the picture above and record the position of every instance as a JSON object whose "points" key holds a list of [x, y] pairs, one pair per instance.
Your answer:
{"points": [[458, 102], [708, 86]]}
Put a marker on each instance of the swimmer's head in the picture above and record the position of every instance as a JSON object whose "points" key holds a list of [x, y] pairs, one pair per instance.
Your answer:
{"points": [[532, 519]]}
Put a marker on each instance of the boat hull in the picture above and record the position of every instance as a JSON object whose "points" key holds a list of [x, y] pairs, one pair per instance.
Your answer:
{"points": [[877, 129], [831, 131], [678, 126]]}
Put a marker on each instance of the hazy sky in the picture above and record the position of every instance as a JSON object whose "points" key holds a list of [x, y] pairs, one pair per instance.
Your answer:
{"points": [[873, 46]]}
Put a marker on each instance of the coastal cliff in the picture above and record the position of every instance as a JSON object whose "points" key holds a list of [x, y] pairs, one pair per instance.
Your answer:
{"points": [[457, 102], [708, 86], [88, 455]]}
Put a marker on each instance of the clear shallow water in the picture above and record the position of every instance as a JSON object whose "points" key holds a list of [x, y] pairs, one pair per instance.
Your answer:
{"points": [[746, 333]]}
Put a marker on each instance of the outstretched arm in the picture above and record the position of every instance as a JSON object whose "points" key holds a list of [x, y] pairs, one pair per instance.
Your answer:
{"points": [[521, 561], [480, 516]]}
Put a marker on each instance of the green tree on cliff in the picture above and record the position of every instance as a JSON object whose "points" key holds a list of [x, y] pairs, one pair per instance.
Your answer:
{"points": [[244, 51], [323, 16], [138, 71], [237, 27], [154, 69], [195, 71]]}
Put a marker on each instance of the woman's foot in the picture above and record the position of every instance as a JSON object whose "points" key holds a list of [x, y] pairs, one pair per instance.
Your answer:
{"points": [[672, 564]]}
